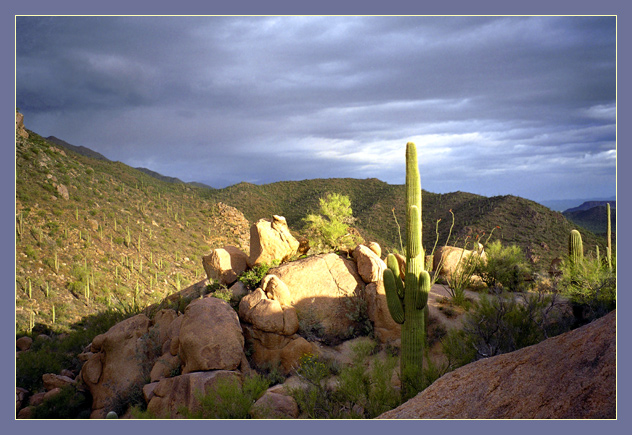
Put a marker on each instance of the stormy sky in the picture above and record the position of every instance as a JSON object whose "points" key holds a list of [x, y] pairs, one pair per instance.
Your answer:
{"points": [[496, 105]]}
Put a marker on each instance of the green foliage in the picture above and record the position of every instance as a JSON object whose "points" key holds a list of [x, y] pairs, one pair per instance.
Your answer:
{"points": [[252, 277], [505, 266], [501, 322], [591, 287], [329, 230], [367, 387], [229, 398]]}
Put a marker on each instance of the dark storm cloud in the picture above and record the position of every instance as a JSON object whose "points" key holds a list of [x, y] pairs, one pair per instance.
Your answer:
{"points": [[526, 100]]}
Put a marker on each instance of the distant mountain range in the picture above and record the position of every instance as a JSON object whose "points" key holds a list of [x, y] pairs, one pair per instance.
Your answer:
{"points": [[81, 150], [566, 204], [593, 216]]}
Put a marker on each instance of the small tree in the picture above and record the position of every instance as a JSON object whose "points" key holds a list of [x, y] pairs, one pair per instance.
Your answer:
{"points": [[505, 266], [330, 228]]}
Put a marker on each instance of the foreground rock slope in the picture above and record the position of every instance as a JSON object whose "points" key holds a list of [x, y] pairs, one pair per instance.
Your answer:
{"points": [[565, 377]]}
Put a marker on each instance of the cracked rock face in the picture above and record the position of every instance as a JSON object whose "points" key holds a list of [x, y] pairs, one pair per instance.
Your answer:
{"points": [[570, 376]]}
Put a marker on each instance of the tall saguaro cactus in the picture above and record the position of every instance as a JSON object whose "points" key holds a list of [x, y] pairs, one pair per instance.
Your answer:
{"points": [[575, 248], [407, 299], [609, 247]]}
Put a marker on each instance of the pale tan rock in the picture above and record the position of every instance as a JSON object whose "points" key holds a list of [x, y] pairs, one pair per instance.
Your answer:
{"points": [[292, 353], [52, 381], [276, 289], [276, 406], [162, 322], [19, 125], [63, 191], [120, 361], [320, 287], [375, 247], [164, 367], [571, 376], [148, 391], [225, 264], [239, 290], [370, 265], [173, 394], [271, 240], [210, 336], [453, 258]]}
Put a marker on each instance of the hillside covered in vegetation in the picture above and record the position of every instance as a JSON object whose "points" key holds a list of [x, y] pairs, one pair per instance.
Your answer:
{"points": [[92, 233]]}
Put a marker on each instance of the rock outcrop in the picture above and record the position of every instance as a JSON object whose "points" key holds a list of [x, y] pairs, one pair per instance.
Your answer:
{"points": [[321, 287], [271, 240], [571, 376], [210, 337], [19, 125], [118, 362], [225, 264]]}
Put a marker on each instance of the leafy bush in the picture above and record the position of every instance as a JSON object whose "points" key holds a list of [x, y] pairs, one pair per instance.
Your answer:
{"points": [[329, 230], [506, 266], [252, 277]]}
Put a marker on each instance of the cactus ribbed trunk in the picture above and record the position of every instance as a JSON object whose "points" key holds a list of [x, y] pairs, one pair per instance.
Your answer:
{"points": [[407, 300], [575, 248], [609, 247]]}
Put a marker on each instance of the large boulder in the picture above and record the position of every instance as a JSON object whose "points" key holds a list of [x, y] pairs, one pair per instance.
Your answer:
{"points": [[321, 287], [118, 363], [370, 265], [570, 376], [210, 336], [225, 264], [453, 259], [271, 240], [274, 404], [171, 395]]}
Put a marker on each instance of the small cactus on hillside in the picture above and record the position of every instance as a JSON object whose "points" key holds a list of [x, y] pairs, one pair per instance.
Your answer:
{"points": [[407, 299], [575, 248]]}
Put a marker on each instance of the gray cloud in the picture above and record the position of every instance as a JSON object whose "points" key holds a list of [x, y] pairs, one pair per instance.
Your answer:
{"points": [[497, 105]]}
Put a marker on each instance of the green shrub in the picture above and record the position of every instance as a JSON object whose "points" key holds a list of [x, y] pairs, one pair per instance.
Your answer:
{"points": [[329, 230], [591, 287], [252, 277], [506, 266]]}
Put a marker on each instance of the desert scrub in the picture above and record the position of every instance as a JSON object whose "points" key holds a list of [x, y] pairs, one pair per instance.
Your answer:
{"points": [[502, 322], [51, 356], [365, 389], [506, 266], [229, 398], [69, 403], [591, 286]]}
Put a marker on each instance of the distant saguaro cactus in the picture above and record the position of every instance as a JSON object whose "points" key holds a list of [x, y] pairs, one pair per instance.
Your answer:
{"points": [[575, 248], [407, 300]]}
